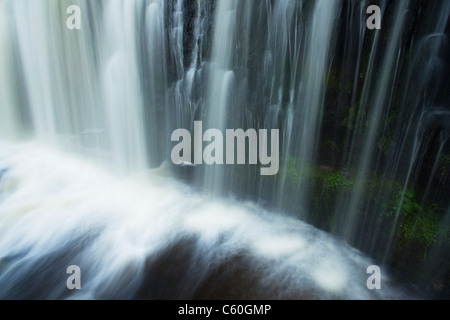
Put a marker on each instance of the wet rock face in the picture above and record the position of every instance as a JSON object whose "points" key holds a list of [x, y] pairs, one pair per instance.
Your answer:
{"points": [[181, 272]]}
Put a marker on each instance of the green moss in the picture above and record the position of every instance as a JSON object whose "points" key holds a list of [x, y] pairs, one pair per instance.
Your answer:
{"points": [[390, 200], [333, 181], [333, 79], [330, 144], [327, 178], [405, 204], [444, 165], [293, 173], [423, 228], [349, 121]]}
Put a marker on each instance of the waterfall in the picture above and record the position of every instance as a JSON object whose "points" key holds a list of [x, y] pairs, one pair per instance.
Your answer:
{"points": [[221, 80], [122, 92], [310, 101], [379, 102], [86, 123], [8, 114]]}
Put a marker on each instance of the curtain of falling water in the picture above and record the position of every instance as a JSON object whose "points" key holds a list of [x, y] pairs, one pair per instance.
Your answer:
{"points": [[60, 74], [139, 69], [319, 47], [9, 115], [422, 99], [85, 86], [376, 106], [296, 64], [123, 105], [418, 95], [220, 89], [278, 44], [154, 79]]}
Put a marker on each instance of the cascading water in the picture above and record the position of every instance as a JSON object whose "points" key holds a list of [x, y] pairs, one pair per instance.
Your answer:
{"points": [[86, 178], [380, 100], [8, 114], [313, 71]]}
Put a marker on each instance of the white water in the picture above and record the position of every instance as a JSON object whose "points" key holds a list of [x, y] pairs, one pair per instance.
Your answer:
{"points": [[8, 114], [115, 89], [380, 100], [58, 210], [319, 41]]}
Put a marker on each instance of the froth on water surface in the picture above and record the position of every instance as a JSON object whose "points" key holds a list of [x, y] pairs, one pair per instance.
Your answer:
{"points": [[148, 236]]}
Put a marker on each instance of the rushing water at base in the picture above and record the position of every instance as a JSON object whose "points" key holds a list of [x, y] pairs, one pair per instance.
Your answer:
{"points": [[149, 236]]}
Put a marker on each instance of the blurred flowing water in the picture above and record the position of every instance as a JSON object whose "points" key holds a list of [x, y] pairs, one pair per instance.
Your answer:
{"points": [[147, 236], [86, 118]]}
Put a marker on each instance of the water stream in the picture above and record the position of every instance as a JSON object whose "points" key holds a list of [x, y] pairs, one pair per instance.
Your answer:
{"points": [[86, 176]]}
